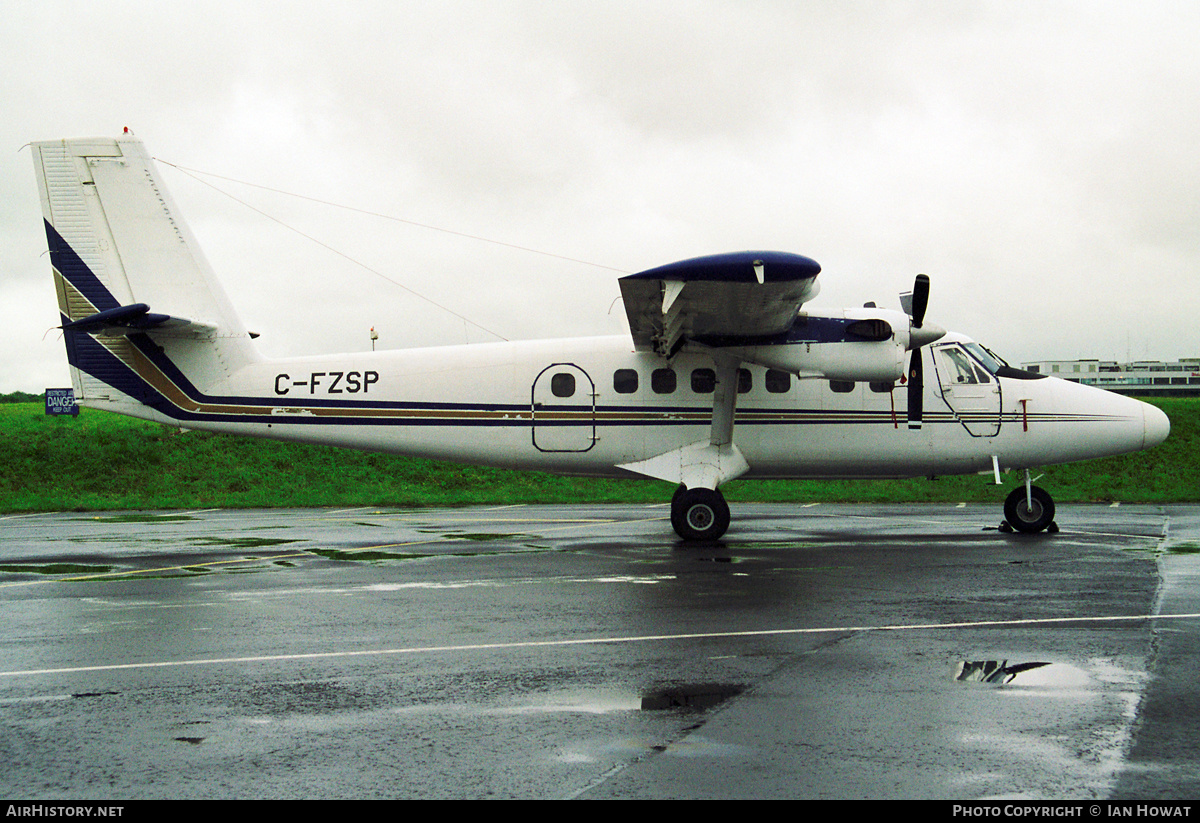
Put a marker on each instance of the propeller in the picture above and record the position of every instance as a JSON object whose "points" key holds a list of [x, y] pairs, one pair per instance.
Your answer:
{"points": [[915, 303], [920, 300], [916, 388]]}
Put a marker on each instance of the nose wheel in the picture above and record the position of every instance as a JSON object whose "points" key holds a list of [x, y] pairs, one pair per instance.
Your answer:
{"points": [[1029, 510], [699, 514]]}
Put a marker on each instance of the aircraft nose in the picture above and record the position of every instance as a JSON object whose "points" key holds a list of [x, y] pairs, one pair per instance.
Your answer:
{"points": [[1156, 425]]}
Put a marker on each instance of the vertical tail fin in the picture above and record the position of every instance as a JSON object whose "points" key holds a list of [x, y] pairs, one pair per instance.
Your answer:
{"points": [[122, 256]]}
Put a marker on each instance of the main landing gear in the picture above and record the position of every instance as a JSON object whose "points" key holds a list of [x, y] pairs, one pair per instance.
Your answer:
{"points": [[699, 514], [1029, 509]]}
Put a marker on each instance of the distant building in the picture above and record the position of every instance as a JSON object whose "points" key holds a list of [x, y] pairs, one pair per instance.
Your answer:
{"points": [[1148, 378]]}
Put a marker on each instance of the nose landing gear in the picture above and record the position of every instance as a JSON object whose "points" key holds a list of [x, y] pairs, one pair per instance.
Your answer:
{"points": [[1029, 509]]}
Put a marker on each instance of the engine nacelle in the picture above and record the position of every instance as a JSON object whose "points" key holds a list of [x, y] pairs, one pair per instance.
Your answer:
{"points": [[862, 345]]}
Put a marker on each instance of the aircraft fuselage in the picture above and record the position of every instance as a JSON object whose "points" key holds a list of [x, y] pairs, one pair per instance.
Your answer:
{"points": [[586, 406]]}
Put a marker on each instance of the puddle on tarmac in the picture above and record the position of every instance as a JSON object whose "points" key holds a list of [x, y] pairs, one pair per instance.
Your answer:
{"points": [[365, 555], [995, 672], [141, 518], [690, 696], [241, 542], [54, 568]]}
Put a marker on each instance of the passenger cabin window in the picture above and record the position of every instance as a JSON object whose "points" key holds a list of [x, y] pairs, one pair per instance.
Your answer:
{"points": [[841, 386], [562, 384], [778, 382], [882, 388], [662, 381], [745, 381], [704, 381], [625, 381]]}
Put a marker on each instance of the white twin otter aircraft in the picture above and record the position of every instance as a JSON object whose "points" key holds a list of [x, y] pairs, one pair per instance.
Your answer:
{"points": [[725, 374]]}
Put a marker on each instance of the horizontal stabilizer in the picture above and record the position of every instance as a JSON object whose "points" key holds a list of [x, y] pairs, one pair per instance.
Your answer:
{"points": [[133, 319]]}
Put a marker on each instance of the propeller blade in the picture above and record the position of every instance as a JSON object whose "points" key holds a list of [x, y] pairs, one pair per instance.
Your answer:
{"points": [[916, 388], [915, 303], [920, 299]]}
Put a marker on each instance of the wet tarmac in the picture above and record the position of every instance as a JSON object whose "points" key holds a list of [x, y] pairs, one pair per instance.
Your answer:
{"points": [[583, 652]]}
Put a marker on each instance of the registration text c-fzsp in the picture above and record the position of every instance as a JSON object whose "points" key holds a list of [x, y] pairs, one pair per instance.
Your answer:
{"points": [[328, 382]]}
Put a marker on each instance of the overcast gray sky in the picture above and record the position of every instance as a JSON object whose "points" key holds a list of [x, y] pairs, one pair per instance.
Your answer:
{"points": [[1040, 161]]}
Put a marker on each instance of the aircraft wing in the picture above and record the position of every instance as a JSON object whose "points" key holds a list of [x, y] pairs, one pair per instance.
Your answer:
{"points": [[740, 295]]}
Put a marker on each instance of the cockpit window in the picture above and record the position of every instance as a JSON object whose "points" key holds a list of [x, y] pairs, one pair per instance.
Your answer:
{"points": [[961, 368], [984, 361], [998, 366], [989, 361]]}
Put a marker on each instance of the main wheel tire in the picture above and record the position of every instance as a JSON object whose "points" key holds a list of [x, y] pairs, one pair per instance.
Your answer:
{"points": [[699, 514], [1026, 518], [676, 513]]}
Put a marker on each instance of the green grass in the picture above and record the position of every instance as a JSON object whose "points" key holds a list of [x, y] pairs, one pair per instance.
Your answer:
{"points": [[102, 461]]}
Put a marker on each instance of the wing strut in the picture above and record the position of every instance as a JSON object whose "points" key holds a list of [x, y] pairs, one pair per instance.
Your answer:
{"points": [[706, 463], [724, 399]]}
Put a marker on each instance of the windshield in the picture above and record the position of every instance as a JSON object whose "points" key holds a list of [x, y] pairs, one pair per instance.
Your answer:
{"points": [[990, 362]]}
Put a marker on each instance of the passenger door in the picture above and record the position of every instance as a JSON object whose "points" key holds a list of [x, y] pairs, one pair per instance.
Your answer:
{"points": [[563, 409]]}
